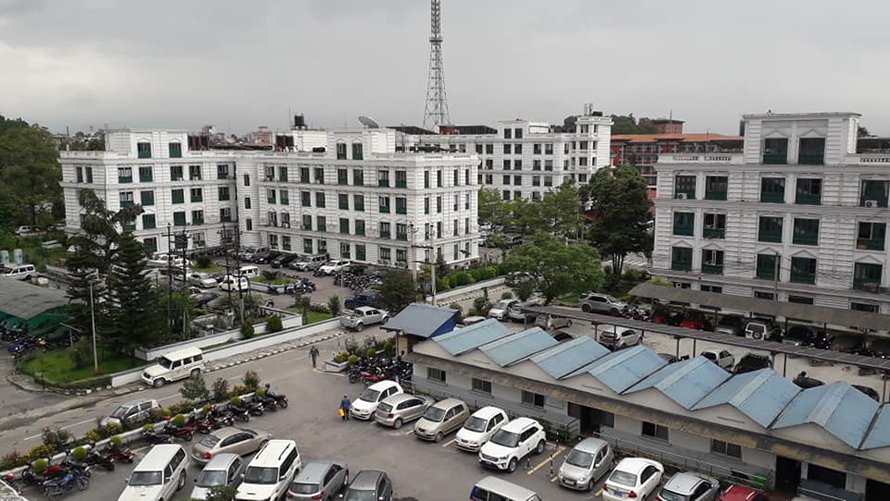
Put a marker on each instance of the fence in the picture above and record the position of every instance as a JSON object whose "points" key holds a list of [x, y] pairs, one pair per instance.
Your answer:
{"points": [[451, 295]]}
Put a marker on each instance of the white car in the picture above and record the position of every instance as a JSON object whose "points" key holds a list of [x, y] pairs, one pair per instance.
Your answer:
{"points": [[617, 338], [479, 428], [633, 478], [165, 260], [499, 310], [366, 404], [158, 476], [230, 283], [723, 358], [362, 317], [24, 230], [511, 443], [271, 471], [202, 280], [333, 267]]}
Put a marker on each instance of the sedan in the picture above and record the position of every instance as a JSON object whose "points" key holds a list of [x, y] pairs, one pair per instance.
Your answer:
{"points": [[202, 280], [685, 486], [401, 408], [319, 480], [239, 441], [633, 478]]}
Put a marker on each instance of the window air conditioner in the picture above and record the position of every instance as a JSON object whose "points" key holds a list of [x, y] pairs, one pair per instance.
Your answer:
{"points": [[680, 196], [871, 204]]}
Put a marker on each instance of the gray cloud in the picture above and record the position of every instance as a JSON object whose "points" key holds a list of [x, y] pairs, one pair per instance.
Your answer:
{"points": [[241, 64]]}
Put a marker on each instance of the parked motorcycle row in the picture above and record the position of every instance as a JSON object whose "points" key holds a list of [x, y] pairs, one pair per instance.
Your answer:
{"points": [[370, 370], [24, 339]]}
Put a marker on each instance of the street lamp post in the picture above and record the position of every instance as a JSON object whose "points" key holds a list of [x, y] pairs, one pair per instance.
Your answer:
{"points": [[93, 322]]}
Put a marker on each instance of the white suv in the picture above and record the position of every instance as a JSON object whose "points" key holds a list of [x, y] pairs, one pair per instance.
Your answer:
{"points": [[511, 443], [602, 303], [366, 404], [270, 472], [334, 267]]}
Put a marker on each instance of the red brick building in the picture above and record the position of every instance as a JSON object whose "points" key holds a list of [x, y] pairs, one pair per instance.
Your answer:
{"points": [[664, 125]]}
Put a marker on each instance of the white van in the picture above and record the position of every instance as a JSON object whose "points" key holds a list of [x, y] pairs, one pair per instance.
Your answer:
{"points": [[230, 283], [175, 365], [19, 271], [495, 489], [159, 475], [249, 271]]}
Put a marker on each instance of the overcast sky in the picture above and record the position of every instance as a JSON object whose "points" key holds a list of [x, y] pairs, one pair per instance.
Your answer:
{"points": [[240, 64]]}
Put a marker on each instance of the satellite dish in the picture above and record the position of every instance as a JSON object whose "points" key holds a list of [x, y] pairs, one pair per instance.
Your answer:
{"points": [[368, 122]]}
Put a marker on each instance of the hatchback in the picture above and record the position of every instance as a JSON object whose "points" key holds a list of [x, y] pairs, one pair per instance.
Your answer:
{"points": [[585, 464], [479, 428], [370, 485], [441, 419], [319, 480], [685, 486], [633, 478], [224, 470], [401, 408]]}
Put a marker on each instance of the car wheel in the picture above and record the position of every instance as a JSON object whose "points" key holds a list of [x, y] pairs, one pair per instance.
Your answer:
{"points": [[511, 467], [585, 308], [397, 424], [540, 448], [359, 327], [195, 373], [438, 437], [159, 382], [614, 312], [181, 481]]}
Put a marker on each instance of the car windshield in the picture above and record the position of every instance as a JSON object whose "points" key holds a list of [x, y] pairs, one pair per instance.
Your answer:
{"points": [[212, 478], [354, 495], [505, 438], [610, 299], [476, 424], [580, 459], [209, 441], [434, 414], [145, 478], [258, 475], [304, 488], [119, 412], [385, 407], [709, 355], [502, 305], [369, 395], [667, 495], [623, 478], [165, 362]]}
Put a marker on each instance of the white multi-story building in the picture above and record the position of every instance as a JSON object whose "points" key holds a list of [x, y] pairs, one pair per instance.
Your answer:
{"points": [[800, 215], [527, 159], [351, 195]]}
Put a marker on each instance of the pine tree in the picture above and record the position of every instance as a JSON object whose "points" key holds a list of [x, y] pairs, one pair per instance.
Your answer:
{"points": [[136, 321]]}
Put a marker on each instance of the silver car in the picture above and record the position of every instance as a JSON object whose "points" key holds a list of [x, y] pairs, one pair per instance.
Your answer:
{"points": [[687, 486], [585, 464], [401, 408], [222, 470], [602, 303], [319, 480]]}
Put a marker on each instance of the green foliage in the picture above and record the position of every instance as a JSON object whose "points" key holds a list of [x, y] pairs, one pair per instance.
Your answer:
{"points": [[660, 281], [461, 278], [30, 174], [221, 493], [261, 393], [628, 125], [134, 323], [489, 202], [271, 275], [179, 420], [79, 454], [397, 291], [556, 212], [507, 295], [341, 357], [82, 353], [524, 290], [443, 284], [110, 429], [247, 329], [148, 427], [236, 401], [334, 305], [352, 359], [220, 390], [116, 441], [40, 452], [457, 307], [302, 304], [371, 353], [481, 306], [557, 268], [38, 466], [12, 460], [92, 436], [56, 438], [251, 380], [388, 347], [274, 324], [619, 200], [195, 388], [203, 262]]}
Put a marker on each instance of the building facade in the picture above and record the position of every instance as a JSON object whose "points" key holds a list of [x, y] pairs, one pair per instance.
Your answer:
{"points": [[799, 215], [353, 197]]}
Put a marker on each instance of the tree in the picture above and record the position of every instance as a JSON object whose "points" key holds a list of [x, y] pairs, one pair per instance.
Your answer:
{"points": [[397, 291], [195, 389], [247, 329], [620, 204], [557, 268], [334, 305], [29, 172], [135, 318], [628, 125], [491, 206], [100, 235], [863, 132], [559, 211], [274, 324]]}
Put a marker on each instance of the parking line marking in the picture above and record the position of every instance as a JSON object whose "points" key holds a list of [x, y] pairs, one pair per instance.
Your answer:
{"points": [[547, 460], [598, 493], [85, 421], [446, 444], [554, 479], [409, 432]]}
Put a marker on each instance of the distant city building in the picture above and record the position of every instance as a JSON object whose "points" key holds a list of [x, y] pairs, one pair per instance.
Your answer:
{"points": [[664, 125]]}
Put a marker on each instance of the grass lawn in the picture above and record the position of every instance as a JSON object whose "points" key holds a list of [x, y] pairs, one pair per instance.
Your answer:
{"points": [[569, 299], [209, 269], [313, 316], [274, 281], [58, 367]]}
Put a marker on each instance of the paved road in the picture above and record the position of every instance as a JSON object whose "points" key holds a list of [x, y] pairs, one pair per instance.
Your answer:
{"points": [[15, 401]]}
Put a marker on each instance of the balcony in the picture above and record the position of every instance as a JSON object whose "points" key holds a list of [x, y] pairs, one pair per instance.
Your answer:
{"points": [[805, 239], [683, 231], [736, 158], [681, 265], [403, 210], [385, 234], [124, 179], [719, 233], [384, 209], [775, 158], [145, 154], [401, 184], [402, 236], [715, 195], [810, 159], [774, 236], [712, 269], [383, 183]]}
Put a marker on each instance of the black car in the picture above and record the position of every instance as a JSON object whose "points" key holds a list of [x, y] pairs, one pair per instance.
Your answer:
{"points": [[869, 392], [265, 257], [805, 381], [202, 298], [731, 324], [752, 362], [370, 484], [283, 260]]}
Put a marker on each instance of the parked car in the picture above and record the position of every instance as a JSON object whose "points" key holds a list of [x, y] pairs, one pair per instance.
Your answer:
{"points": [[734, 325], [25, 230], [516, 313], [167, 260], [158, 476], [479, 428], [134, 411], [224, 470], [585, 464], [283, 260], [363, 316], [848, 344], [601, 303], [763, 329], [515, 440], [499, 310], [633, 478], [239, 441], [230, 283], [869, 392], [441, 419], [561, 336], [802, 335], [741, 493], [18, 271], [247, 254], [495, 489], [202, 280], [401, 408], [173, 366], [202, 298], [271, 471], [319, 480], [334, 267], [366, 298], [669, 357], [805, 381], [696, 320], [309, 263], [722, 358], [366, 404], [371, 485], [686, 486], [467, 321], [617, 338], [550, 322], [751, 362], [266, 257]]}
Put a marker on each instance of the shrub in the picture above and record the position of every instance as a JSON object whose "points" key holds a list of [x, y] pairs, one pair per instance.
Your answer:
{"points": [[260, 393], [352, 359], [195, 388], [443, 284], [117, 441], [274, 324], [220, 390], [38, 466], [525, 289], [240, 390], [110, 429], [247, 329], [179, 420], [203, 262], [148, 427], [388, 346], [341, 357], [81, 353], [461, 278], [12, 460], [251, 380], [55, 438], [507, 295], [79, 454], [92, 436], [319, 308], [40, 452], [236, 401], [480, 304], [334, 305], [371, 353]]}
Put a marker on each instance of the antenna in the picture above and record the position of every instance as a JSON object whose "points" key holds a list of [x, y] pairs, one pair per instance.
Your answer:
{"points": [[436, 111], [368, 122]]}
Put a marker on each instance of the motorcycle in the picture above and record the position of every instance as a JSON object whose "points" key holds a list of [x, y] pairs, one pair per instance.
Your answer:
{"points": [[120, 453], [240, 413], [186, 433], [103, 458], [54, 489], [154, 438], [355, 374], [255, 408], [268, 403]]}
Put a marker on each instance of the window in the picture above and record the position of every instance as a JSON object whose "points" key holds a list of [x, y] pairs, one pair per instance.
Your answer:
{"points": [[383, 178], [489, 164], [305, 199], [319, 175], [715, 226], [177, 196], [284, 197], [401, 179], [716, 187], [517, 180], [322, 246], [772, 190], [124, 175], [812, 151], [145, 175], [320, 201], [684, 187], [426, 179], [548, 180], [506, 179], [769, 296], [147, 198], [712, 262], [197, 217], [775, 151], [194, 172], [401, 231], [246, 180], [517, 133], [304, 175], [358, 177], [874, 194], [800, 299], [684, 223], [455, 228], [803, 270], [358, 203], [225, 215], [196, 195], [456, 177], [517, 149], [467, 177], [344, 226], [321, 224], [767, 266], [342, 177], [401, 205], [359, 227], [534, 399], [506, 165], [357, 153], [246, 202], [508, 149], [175, 150], [143, 150], [385, 254], [870, 236], [809, 192], [222, 171], [439, 229], [726, 448], [508, 133], [770, 229], [681, 259], [871, 308], [79, 172], [439, 204], [150, 245], [383, 204], [360, 252], [385, 230], [270, 172], [712, 289], [806, 232], [867, 276], [223, 193], [435, 374], [341, 151], [343, 201], [439, 179], [179, 219], [176, 173], [489, 149], [426, 205], [307, 222], [517, 164], [148, 222], [655, 431], [285, 242]]}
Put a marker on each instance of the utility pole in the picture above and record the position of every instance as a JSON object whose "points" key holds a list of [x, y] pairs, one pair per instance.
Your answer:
{"points": [[93, 321], [776, 278], [224, 235], [169, 280]]}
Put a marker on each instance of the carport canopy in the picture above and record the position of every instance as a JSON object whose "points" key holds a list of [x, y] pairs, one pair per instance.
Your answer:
{"points": [[23, 300]]}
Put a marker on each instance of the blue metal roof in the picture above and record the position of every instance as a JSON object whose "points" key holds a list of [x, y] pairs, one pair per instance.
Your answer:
{"points": [[462, 340], [512, 349], [565, 358], [879, 436], [423, 320], [761, 395], [840, 409], [685, 382], [624, 368]]}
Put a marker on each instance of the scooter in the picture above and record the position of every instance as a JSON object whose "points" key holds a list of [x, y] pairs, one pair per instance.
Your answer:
{"points": [[154, 438], [186, 433], [54, 489], [239, 413], [103, 458], [120, 453], [255, 408]]}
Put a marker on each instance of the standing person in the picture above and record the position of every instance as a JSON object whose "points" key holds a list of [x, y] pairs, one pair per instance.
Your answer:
{"points": [[344, 406], [313, 352]]}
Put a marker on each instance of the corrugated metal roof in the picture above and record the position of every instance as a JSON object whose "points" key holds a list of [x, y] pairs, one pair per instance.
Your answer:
{"points": [[879, 436], [565, 358], [512, 349], [760, 395], [420, 320], [624, 368], [685, 382], [473, 336], [23, 300], [840, 409]]}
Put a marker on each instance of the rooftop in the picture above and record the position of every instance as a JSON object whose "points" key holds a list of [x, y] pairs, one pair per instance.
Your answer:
{"points": [[684, 137], [468, 338], [760, 395], [423, 320], [23, 300], [515, 348], [840, 409], [685, 382]]}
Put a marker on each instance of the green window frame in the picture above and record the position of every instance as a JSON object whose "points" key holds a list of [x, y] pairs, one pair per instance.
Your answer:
{"points": [[124, 175], [177, 196], [871, 236], [344, 225], [341, 151], [803, 270], [358, 203], [196, 195], [714, 226], [766, 266], [197, 217], [342, 177], [176, 173], [343, 201], [360, 253], [305, 199], [684, 224], [174, 149], [179, 219], [401, 179], [143, 149], [811, 151], [304, 175], [320, 200], [146, 175], [223, 193], [148, 222], [775, 151], [809, 191], [867, 276], [358, 177], [681, 258], [684, 185], [360, 227], [321, 224], [282, 174], [806, 232], [874, 192], [716, 187], [147, 198], [357, 151], [383, 204], [769, 229], [712, 261], [401, 205], [385, 231], [772, 190]]}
